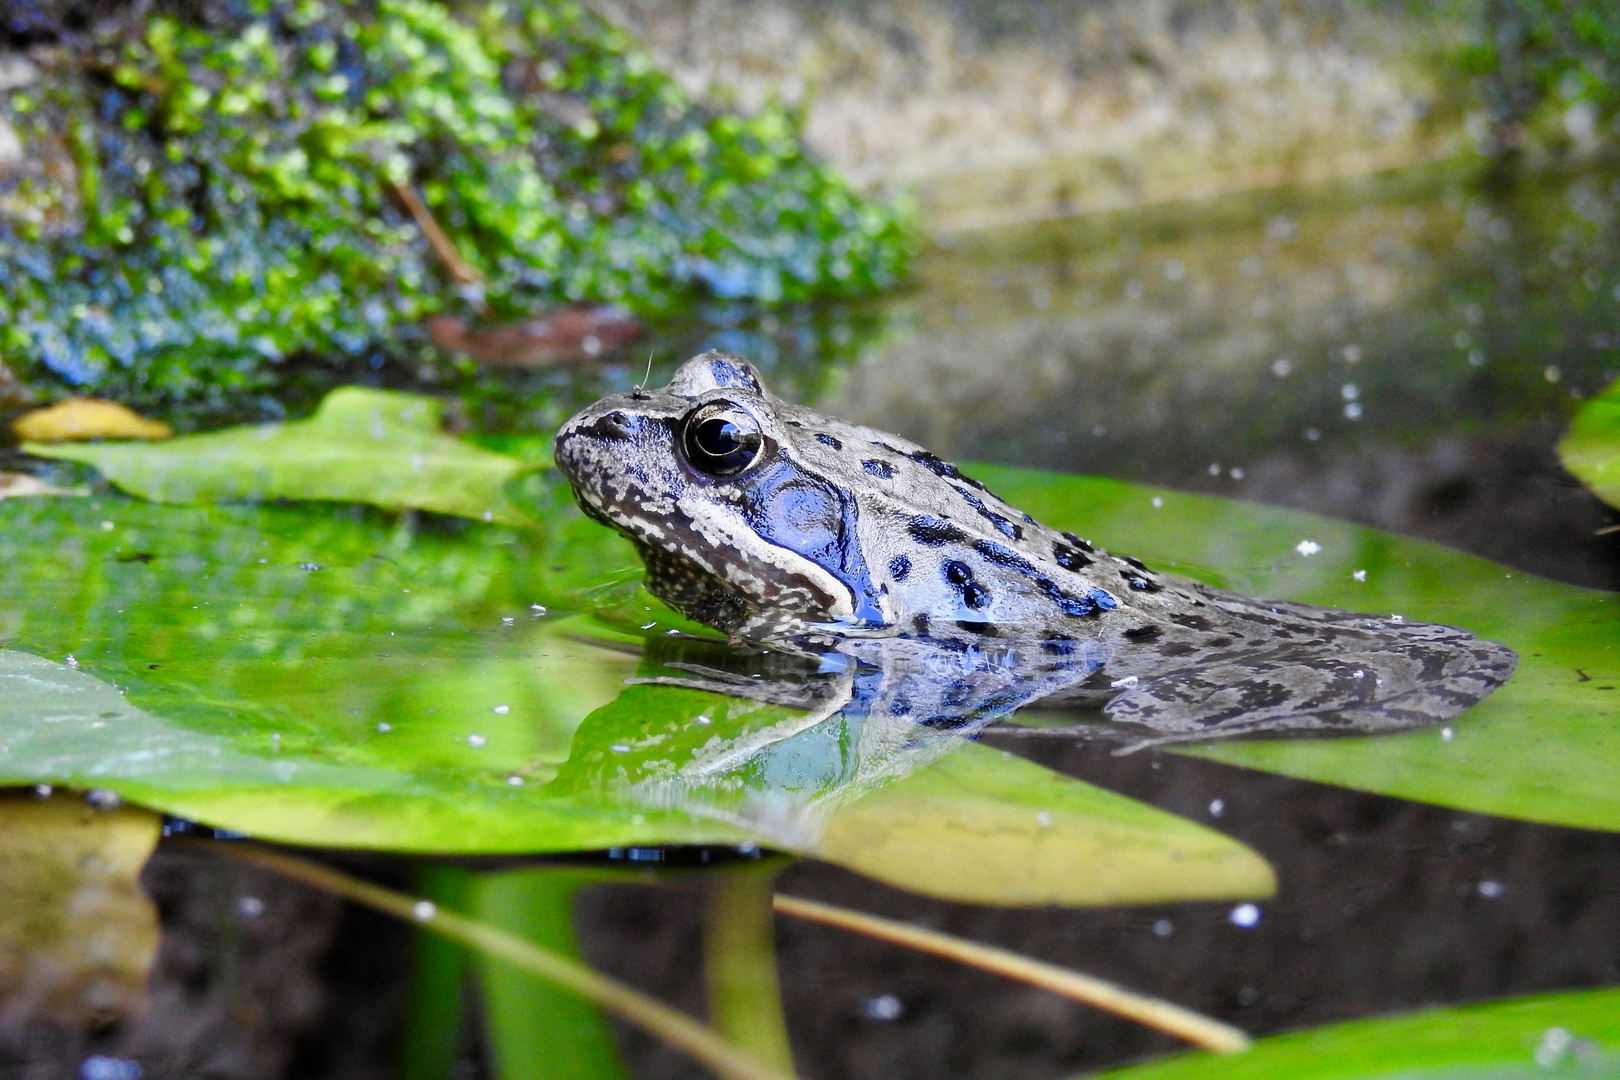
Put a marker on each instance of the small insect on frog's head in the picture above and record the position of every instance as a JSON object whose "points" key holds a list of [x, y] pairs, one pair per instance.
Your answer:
{"points": [[740, 525]]}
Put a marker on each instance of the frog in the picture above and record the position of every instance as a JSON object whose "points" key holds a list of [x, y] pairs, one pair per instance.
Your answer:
{"points": [[790, 530]]}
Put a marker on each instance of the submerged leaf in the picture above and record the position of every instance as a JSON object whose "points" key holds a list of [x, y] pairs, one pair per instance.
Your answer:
{"points": [[1591, 450], [362, 445], [1563, 1035], [77, 934]]}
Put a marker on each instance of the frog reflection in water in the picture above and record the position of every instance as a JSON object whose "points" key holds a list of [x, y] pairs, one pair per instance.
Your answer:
{"points": [[928, 598]]}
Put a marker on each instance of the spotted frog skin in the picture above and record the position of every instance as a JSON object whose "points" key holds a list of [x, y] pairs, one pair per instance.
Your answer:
{"points": [[776, 524]]}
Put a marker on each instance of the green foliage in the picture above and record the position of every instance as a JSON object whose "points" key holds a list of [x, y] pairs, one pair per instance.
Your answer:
{"points": [[234, 203], [1540, 57], [1591, 450]]}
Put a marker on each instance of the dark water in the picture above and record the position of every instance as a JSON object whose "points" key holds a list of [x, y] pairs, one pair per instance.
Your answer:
{"points": [[1402, 352]]}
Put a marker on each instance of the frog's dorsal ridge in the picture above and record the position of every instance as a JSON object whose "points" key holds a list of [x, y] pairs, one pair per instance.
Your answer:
{"points": [[780, 525]]}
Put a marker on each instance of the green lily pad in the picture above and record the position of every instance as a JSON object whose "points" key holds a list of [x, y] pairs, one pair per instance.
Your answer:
{"points": [[1545, 747], [362, 446], [338, 679], [1591, 450], [1573, 1036]]}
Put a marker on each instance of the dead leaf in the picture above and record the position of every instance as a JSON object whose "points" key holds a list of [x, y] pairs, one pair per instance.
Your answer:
{"points": [[78, 419], [15, 485], [77, 934], [581, 332]]}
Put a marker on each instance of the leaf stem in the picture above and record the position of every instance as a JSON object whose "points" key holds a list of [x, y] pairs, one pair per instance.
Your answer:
{"points": [[610, 994], [1162, 1015]]}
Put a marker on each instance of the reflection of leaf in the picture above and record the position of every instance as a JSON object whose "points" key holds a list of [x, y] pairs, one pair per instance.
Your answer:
{"points": [[1591, 450], [1545, 747], [77, 934], [981, 826], [362, 445], [1504, 1040]]}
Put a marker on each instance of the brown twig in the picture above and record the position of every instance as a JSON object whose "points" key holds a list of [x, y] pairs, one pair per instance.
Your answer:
{"points": [[610, 994], [459, 269], [1172, 1019]]}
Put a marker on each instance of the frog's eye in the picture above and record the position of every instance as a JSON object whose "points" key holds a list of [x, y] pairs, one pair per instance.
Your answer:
{"points": [[721, 438]]}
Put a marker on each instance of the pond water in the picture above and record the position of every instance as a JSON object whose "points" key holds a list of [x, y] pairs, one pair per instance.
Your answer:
{"points": [[1401, 352]]}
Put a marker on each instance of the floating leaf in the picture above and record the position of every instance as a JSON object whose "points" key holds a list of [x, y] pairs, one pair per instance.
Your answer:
{"points": [[1553, 1035], [87, 418], [980, 826], [362, 445], [1545, 747], [1591, 450]]}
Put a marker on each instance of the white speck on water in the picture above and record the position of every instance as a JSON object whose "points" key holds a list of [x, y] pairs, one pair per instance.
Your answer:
{"points": [[1359, 575], [885, 1007], [1158, 503], [404, 590], [1214, 470], [417, 461], [1447, 734], [101, 1067], [103, 798], [1555, 1045], [1351, 354], [515, 780], [1307, 547], [1235, 473], [1313, 435], [1552, 374], [1175, 270], [619, 748], [1098, 431], [1352, 411], [309, 566], [1476, 358], [501, 710], [702, 719], [1490, 890], [1127, 681], [1282, 368], [507, 620], [1397, 618], [1246, 916], [384, 726], [476, 740], [424, 910], [42, 790], [1358, 674], [264, 561], [648, 626], [537, 610], [107, 526], [1043, 819], [641, 819], [489, 515], [250, 907], [1349, 391], [1217, 807], [275, 742], [70, 660], [1163, 928]]}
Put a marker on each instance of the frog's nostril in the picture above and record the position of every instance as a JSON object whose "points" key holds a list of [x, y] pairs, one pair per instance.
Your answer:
{"points": [[615, 425]]}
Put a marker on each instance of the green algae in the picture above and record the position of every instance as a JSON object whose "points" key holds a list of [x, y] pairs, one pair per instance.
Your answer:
{"points": [[219, 196]]}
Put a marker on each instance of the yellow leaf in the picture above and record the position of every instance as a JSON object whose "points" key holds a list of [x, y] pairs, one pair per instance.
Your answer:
{"points": [[87, 418]]}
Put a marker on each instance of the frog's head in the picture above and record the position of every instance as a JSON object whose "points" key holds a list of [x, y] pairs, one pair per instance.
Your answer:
{"points": [[737, 525]]}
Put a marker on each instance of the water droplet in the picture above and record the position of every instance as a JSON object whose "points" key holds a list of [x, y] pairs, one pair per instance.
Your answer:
{"points": [[1313, 435], [1307, 547], [1217, 807], [384, 726], [1246, 916], [501, 710], [619, 747], [42, 790], [1359, 575], [702, 719], [1476, 357], [507, 620], [70, 660], [1447, 734], [1163, 928], [886, 1008], [1490, 890], [1125, 683], [1158, 503], [1214, 469], [1552, 373], [1352, 411], [103, 798], [107, 526], [1282, 368], [1235, 473], [424, 910], [476, 741], [250, 907], [515, 780], [1043, 819]]}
